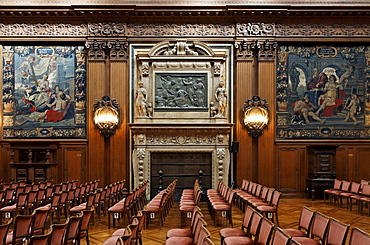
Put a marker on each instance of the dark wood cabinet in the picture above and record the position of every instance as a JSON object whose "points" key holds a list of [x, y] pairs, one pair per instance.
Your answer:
{"points": [[33, 162], [321, 169]]}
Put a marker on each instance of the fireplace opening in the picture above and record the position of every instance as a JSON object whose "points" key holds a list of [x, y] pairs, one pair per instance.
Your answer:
{"points": [[185, 167]]}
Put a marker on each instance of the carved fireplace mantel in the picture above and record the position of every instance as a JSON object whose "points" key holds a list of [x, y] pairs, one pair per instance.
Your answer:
{"points": [[181, 94], [180, 138]]}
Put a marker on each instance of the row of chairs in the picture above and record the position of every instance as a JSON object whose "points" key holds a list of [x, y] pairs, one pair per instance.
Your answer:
{"points": [[221, 201], [128, 206], [59, 197], [188, 200], [197, 234], [317, 228], [255, 229], [31, 229], [262, 198], [349, 191], [131, 234], [159, 206]]}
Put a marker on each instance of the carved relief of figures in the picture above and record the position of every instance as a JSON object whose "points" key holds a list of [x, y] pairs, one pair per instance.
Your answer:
{"points": [[141, 100], [180, 91], [221, 98]]}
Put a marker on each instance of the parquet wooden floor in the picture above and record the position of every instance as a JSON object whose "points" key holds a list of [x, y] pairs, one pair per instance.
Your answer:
{"points": [[289, 211]]}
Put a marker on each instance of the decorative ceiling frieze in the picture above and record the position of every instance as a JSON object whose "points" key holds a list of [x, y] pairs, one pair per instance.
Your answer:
{"points": [[111, 29]]}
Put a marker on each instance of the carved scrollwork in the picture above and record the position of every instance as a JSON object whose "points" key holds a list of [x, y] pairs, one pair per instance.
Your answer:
{"points": [[245, 49], [96, 49], [39, 29], [267, 50], [118, 49], [263, 49], [255, 29], [107, 29]]}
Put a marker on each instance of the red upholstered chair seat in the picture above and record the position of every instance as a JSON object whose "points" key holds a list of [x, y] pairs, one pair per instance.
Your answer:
{"points": [[229, 232], [306, 241], [177, 232], [238, 240], [179, 240]]}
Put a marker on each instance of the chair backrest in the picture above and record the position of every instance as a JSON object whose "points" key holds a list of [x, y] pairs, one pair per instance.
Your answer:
{"points": [[125, 239], [22, 200], [359, 237], [22, 224], [337, 232], [39, 239], [265, 232], [208, 241], [248, 214], [4, 228], [57, 235], [195, 219], [203, 234], [276, 198], [9, 196], [306, 219], [337, 184], [72, 229], [355, 187], [201, 222], [39, 221], [346, 185], [270, 195], [55, 199], [84, 223], [40, 194], [280, 237], [90, 200], [366, 190], [319, 226], [255, 224]]}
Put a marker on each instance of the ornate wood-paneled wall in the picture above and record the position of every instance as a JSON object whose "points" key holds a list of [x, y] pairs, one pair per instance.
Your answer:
{"points": [[255, 34]]}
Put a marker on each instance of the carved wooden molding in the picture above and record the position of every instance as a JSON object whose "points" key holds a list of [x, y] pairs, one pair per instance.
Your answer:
{"points": [[111, 29], [44, 30], [97, 49], [247, 49]]}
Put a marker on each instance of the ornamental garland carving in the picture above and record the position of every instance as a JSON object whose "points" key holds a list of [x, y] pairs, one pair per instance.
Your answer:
{"points": [[39, 29], [109, 29]]}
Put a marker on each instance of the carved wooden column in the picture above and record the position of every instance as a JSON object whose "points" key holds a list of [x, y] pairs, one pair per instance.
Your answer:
{"points": [[243, 89], [266, 89], [255, 69], [119, 89], [98, 82]]}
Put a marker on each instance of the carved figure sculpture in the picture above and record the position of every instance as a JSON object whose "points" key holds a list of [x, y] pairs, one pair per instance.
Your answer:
{"points": [[141, 98], [221, 97]]}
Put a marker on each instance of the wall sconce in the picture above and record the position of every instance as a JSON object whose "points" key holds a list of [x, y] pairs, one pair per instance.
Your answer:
{"points": [[256, 115], [106, 115]]}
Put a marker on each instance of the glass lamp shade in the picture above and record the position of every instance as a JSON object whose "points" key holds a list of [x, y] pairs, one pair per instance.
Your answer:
{"points": [[107, 120], [256, 119]]}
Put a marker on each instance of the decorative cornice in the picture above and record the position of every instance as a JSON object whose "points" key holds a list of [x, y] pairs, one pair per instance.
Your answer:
{"points": [[123, 30], [43, 30]]}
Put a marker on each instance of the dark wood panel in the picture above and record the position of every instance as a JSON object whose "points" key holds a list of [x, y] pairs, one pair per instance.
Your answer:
{"points": [[288, 165], [74, 163], [362, 165]]}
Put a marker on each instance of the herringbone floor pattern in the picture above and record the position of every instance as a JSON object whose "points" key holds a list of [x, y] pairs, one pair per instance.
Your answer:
{"points": [[289, 211]]}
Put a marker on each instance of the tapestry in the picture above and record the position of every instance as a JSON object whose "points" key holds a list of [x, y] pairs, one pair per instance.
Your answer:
{"points": [[323, 92], [44, 92]]}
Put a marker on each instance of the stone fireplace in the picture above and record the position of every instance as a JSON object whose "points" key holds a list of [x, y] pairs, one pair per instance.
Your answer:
{"points": [[181, 104]]}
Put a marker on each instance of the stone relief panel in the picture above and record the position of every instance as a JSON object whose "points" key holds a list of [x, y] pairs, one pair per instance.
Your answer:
{"points": [[184, 91], [182, 82]]}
